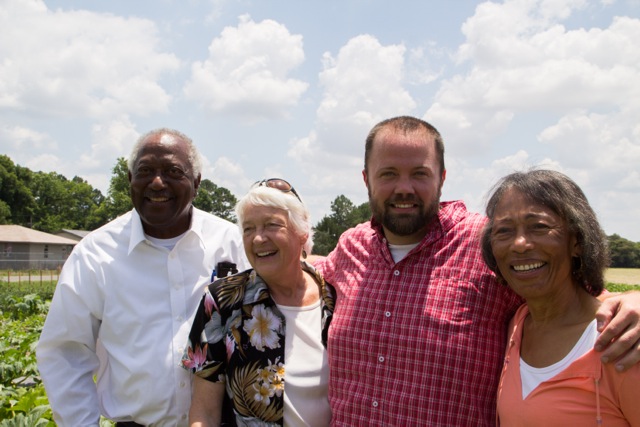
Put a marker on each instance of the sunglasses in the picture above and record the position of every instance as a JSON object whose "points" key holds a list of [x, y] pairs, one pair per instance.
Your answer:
{"points": [[278, 184]]}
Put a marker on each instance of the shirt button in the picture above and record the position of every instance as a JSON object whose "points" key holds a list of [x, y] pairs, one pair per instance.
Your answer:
{"points": [[380, 359], [182, 384], [184, 416], [387, 314], [179, 318], [396, 273], [374, 404]]}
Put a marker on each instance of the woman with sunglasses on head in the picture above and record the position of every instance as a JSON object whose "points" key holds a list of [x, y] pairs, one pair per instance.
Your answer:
{"points": [[544, 241], [258, 342]]}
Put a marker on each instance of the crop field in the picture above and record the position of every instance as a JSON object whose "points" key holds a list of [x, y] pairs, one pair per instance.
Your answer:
{"points": [[625, 276], [24, 303]]}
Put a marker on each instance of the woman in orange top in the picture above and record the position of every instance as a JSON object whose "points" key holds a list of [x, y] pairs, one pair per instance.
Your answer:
{"points": [[544, 241]]}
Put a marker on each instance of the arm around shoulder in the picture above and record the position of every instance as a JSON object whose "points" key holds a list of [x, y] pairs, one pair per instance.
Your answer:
{"points": [[619, 321]]}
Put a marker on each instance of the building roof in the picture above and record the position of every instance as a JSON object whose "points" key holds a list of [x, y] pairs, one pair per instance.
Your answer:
{"points": [[20, 234], [79, 234]]}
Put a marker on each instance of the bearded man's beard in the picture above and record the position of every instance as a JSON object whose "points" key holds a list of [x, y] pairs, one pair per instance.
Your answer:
{"points": [[404, 224]]}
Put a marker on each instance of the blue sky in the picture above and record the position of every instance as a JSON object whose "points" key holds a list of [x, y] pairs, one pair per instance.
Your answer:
{"points": [[290, 88]]}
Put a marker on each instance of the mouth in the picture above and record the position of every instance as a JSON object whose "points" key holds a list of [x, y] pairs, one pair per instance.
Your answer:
{"points": [[528, 267], [403, 205], [265, 254], [157, 199]]}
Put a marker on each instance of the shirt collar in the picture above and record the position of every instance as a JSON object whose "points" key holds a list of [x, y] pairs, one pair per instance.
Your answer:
{"points": [[137, 232]]}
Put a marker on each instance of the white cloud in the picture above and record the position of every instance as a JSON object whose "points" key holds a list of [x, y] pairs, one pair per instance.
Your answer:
{"points": [[79, 63], [523, 60], [247, 71], [19, 138], [229, 174], [110, 140]]}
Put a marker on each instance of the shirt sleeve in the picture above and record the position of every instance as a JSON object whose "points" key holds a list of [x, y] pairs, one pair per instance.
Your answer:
{"points": [[630, 396], [66, 351], [206, 351]]}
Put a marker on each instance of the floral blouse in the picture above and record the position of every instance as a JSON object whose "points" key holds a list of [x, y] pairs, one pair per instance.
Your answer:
{"points": [[238, 337]]}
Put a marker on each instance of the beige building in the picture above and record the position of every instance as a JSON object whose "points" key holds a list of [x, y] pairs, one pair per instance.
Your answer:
{"points": [[76, 235], [22, 248]]}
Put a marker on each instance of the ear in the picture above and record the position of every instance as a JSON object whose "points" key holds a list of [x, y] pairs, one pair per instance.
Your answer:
{"points": [[365, 177], [129, 176], [303, 239], [576, 249], [196, 184]]}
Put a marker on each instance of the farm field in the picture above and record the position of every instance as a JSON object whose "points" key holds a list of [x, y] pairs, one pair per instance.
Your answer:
{"points": [[625, 276], [24, 302]]}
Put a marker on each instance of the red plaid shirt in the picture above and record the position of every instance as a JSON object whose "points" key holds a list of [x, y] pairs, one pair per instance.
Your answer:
{"points": [[419, 342]]}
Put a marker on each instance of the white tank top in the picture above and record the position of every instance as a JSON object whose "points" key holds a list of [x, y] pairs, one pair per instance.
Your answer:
{"points": [[532, 377], [306, 365]]}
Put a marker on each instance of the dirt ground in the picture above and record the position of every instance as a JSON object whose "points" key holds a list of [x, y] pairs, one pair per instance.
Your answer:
{"points": [[626, 276]]}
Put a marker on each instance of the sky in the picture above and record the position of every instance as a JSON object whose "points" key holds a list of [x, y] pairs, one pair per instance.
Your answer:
{"points": [[290, 89]]}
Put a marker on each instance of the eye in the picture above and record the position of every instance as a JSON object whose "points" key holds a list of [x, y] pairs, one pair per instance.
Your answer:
{"points": [[143, 171], [274, 226], [248, 230], [540, 227], [176, 173], [501, 231]]}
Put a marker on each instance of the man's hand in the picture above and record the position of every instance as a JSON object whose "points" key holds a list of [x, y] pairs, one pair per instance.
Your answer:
{"points": [[619, 321]]}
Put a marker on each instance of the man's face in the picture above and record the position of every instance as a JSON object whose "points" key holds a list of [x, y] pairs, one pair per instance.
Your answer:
{"points": [[163, 186], [404, 182]]}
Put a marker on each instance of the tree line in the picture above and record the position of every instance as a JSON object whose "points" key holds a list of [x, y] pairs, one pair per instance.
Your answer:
{"points": [[50, 202]]}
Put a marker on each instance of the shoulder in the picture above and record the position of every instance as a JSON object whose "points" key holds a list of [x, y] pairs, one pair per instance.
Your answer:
{"points": [[209, 218], [360, 234], [455, 214], [209, 225], [239, 289], [117, 231]]}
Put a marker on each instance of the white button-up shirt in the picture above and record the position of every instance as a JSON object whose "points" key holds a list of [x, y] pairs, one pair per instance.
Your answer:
{"points": [[122, 310]]}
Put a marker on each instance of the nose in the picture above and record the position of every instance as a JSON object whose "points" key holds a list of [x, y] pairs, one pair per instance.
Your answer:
{"points": [[157, 182], [521, 242], [404, 185], [259, 236]]}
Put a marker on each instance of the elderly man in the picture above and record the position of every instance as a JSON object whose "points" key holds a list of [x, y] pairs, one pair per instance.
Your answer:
{"points": [[128, 293]]}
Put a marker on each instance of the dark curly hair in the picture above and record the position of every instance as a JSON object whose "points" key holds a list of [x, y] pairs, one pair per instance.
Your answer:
{"points": [[563, 196]]}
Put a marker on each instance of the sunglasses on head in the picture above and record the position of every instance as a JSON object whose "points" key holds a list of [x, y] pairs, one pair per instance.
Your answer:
{"points": [[278, 184]]}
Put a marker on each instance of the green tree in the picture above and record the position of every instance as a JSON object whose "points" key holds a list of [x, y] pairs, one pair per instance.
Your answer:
{"points": [[624, 253], [216, 200], [63, 203], [344, 215], [15, 193], [118, 200]]}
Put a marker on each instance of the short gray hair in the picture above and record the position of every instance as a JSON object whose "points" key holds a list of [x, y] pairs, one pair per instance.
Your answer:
{"points": [[271, 197], [194, 156]]}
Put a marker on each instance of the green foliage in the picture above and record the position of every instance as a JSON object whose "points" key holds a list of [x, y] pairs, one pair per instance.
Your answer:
{"points": [[23, 401], [345, 215], [216, 200], [62, 203], [624, 253], [118, 199], [11, 291], [14, 192], [619, 287]]}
